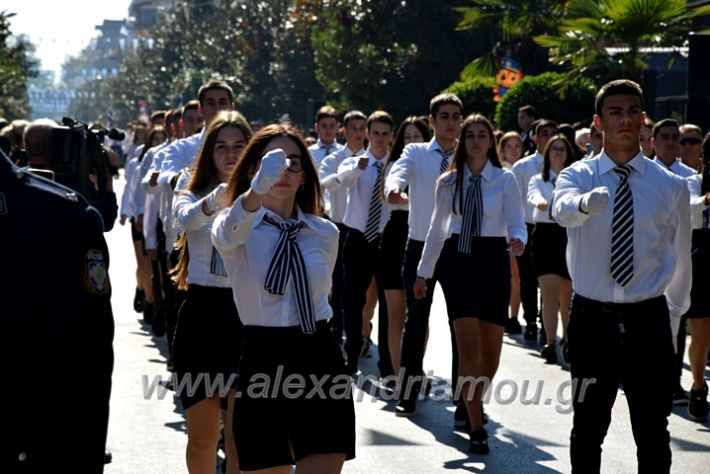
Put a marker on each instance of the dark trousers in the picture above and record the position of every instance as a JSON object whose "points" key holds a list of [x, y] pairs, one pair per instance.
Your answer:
{"points": [[417, 323], [164, 289], [336, 292], [678, 360], [631, 344], [361, 260], [528, 281]]}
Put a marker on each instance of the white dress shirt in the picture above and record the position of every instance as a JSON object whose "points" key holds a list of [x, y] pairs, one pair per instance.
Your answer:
{"points": [[541, 191], [206, 266], [359, 184], [524, 169], [320, 150], [677, 168], [247, 245], [146, 168], [178, 155], [418, 168], [387, 208], [337, 193], [127, 208], [661, 233], [503, 214], [150, 221], [697, 201]]}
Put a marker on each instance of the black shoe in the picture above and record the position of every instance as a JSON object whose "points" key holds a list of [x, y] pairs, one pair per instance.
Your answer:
{"points": [[159, 324], [564, 350], [680, 397], [549, 353], [530, 332], [138, 301], [478, 443], [148, 313], [405, 408], [698, 406], [512, 326]]}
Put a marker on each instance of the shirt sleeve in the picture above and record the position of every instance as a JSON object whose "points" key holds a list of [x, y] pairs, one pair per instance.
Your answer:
{"points": [[170, 165], [513, 210], [402, 172], [535, 196], [678, 290], [349, 172], [150, 222], [438, 230], [327, 172], [566, 198], [188, 211], [232, 227], [127, 209], [697, 198]]}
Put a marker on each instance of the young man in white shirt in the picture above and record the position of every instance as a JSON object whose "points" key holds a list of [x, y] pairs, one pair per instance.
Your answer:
{"points": [[666, 141], [628, 223], [363, 176], [326, 127], [524, 169], [691, 138], [417, 171], [354, 129]]}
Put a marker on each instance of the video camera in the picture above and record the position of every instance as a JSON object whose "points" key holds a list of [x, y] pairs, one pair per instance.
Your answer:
{"points": [[78, 153]]}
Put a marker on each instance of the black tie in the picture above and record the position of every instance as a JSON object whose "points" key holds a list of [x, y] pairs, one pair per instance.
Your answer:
{"points": [[622, 229], [375, 210], [445, 155], [288, 260], [471, 216]]}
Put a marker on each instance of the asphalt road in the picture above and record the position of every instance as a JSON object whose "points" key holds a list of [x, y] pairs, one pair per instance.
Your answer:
{"points": [[528, 433]]}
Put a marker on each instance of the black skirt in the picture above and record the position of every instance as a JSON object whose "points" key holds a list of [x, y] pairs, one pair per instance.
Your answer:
{"points": [[294, 397], [476, 284], [700, 291], [394, 239], [206, 344], [549, 245]]}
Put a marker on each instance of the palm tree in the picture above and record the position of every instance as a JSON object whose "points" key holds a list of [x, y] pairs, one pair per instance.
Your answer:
{"points": [[509, 27], [603, 39]]}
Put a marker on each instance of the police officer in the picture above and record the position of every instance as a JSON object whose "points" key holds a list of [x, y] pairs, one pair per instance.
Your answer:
{"points": [[56, 327]]}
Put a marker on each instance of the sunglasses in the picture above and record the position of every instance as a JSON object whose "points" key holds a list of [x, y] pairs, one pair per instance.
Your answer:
{"points": [[690, 141]]}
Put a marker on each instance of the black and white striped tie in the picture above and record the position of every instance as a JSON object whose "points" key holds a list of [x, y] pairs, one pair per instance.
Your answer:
{"points": [[375, 211], [622, 229], [445, 155], [288, 261], [471, 216]]}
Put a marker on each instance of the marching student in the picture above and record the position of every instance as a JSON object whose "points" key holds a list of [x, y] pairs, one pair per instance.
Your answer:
{"points": [[645, 138], [477, 215], [628, 225], [691, 138], [527, 115], [326, 127], [510, 151], [208, 330], [549, 244], [279, 256], [524, 170], [394, 230], [354, 128], [699, 313], [417, 170], [362, 259]]}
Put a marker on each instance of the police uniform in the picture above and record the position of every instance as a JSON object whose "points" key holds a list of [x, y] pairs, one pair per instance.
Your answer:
{"points": [[56, 327]]}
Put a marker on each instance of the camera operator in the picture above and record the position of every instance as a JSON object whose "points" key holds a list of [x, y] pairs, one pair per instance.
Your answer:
{"points": [[40, 147]]}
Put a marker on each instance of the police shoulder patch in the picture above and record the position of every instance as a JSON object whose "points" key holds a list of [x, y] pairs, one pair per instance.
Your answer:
{"points": [[96, 277]]}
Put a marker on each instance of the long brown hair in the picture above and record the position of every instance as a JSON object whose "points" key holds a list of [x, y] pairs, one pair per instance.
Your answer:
{"points": [[546, 155], [204, 177], [460, 156], [398, 144], [147, 144], [308, 197]]}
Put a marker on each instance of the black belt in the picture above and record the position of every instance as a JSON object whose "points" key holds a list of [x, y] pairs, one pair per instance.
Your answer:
{"points": [[618, 308]]}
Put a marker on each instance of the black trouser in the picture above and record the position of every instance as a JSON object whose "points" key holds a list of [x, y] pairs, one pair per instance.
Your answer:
{"points": [[631, 344], [680, 352], [528, 281], [336, 292], [417, 323], [361, 260], [167, 308]]}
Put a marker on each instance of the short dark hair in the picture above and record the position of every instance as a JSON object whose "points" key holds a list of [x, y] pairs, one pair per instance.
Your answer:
{"points": [[353, 115], [157, 115], [668, 122], [687, 127], [191, 105], [543, 123], [214, 84], [380, 116], [528, 109], [617, 87], [327, 111], [444, 99]]}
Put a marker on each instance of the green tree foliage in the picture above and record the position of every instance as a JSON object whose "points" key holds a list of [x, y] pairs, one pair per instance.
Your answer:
{"points": [[591, 28], [573, 104], [17, 66], [476, 95], [507, 29]]}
